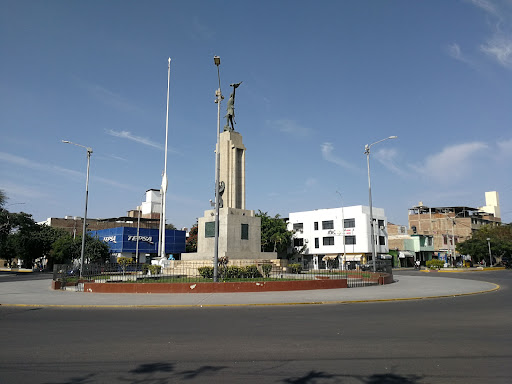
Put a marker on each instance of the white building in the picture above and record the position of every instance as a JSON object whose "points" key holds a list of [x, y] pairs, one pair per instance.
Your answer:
{"points": [[340, 236]]}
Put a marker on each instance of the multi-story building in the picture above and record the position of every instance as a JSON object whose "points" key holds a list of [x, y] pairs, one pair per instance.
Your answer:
{"points": [[341, 235], [406, 248], [145, 216], [451, 225]]}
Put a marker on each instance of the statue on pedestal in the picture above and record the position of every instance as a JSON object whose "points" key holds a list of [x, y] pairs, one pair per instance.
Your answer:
{"points": [[230, 116]]}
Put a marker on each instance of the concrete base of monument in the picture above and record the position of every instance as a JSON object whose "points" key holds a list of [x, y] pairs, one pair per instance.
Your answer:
{"points": [[256, 256], [191, 267]]}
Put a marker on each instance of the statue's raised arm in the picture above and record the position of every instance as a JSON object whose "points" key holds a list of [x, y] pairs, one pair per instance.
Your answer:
{"points": [[230, 116]]}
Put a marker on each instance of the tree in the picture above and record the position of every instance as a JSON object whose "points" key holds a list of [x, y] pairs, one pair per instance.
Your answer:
{"points": [[65, 249], [170, 226], [96, 251], [191, 244], [275, 237], [478, 246]]}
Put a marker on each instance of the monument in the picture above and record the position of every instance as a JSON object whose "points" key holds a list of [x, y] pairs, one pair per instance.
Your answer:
{"points": [[239, 228]]}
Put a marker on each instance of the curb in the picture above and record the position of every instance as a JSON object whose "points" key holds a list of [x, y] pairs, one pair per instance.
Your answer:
{"points": [[107, 306]]}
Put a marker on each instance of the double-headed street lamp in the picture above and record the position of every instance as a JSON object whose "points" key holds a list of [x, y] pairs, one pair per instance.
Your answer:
{"points": [[89, 151], [367, 153], [218, 99]]}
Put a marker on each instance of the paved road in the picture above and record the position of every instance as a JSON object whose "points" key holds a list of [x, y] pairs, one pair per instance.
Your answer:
{"points": [[464, 339]]}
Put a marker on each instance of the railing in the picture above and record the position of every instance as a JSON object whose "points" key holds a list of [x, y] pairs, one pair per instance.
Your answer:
{"points": [[202, 271]]}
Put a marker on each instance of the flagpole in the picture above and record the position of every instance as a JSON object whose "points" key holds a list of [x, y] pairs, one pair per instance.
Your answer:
{"points": [[164, 176]]}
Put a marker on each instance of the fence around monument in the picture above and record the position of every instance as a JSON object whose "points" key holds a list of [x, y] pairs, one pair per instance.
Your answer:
{"points": [[202, 271]]}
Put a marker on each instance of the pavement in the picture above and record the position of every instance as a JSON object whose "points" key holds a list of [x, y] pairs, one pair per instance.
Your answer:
{"points": [[37, 293]]}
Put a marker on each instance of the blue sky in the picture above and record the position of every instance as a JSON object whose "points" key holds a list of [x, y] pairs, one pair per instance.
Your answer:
{"points": [[320, 80]]}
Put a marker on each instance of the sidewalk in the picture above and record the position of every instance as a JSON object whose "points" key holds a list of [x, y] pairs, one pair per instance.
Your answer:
{"points": [[38, 293]]}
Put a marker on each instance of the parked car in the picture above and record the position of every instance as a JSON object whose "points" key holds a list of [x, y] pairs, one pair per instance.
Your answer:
{"points": [[380, 266]]}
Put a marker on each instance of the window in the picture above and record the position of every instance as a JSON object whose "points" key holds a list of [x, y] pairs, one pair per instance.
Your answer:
{"points": [[382, 240], [329, 224], [349, 223], [298, 227], [298, 242], [381, 223], [328, 240], [445, 240], [209, 229], [317, 242], [429, 241], [350, 240], [316, 225], [245, 231]]}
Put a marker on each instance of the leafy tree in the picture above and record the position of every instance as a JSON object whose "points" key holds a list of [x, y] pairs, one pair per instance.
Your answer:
{"points": [[96, 251], [191, 244], [170, 226], [478, 247], [275, 237], [65, 249]]}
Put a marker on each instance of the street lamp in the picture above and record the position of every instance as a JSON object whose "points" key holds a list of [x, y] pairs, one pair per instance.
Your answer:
{"points": [[367, 153], [89, 151], [490, 254], [218, 99]]}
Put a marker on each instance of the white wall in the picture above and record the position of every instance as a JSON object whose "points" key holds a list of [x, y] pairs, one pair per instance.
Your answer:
{"points": [[362, 231]]}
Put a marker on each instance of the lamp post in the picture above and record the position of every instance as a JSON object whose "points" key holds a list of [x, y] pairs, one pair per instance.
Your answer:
{"points": [[89, 151], [490, 254], [218, 99], [367, 153]]}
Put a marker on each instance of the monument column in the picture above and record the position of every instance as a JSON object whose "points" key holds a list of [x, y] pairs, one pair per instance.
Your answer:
{"points": [[232, 169]]}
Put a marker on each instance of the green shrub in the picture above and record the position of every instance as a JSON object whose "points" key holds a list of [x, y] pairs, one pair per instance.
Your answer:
{"points": [[251, 271], [154, 269], [145, 269], [295, 268], [233, 272], [266, 268], [435, 264], [206, 272]]}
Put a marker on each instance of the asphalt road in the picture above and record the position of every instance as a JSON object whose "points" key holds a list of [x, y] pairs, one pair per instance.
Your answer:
{"points": [[451, 340]]}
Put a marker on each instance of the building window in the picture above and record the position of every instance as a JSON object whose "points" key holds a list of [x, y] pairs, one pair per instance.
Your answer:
{"points": [[328, 240], [316, 225], [209, 229], [429, 241], [381, 223], [329, 224], [382, 240], [445, 240], [245, 231], [317, 242], [298, 227], [350, 240], [349, 223], [298, 242]]}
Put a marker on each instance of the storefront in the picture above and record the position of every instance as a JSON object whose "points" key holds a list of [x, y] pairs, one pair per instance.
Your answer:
{"points": [[122, 242]]}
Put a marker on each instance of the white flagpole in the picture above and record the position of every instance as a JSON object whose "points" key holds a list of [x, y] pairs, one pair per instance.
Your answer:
{"points": [[164, 177]]}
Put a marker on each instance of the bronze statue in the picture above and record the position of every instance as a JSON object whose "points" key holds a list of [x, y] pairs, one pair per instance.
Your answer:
{"points": [[230, 116]]}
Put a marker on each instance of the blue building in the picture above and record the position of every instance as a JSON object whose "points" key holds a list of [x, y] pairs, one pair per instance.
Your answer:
{"points": [[122, 242]]}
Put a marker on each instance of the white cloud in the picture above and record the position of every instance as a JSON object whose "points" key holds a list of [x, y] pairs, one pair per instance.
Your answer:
{"points": [[500, 49], [21, 161], [291, 127], [137, 139], [486, 5], [388, 158], [455, 52], [327, 154], [453, 163]]}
